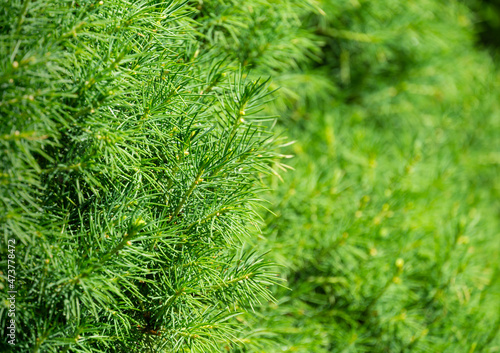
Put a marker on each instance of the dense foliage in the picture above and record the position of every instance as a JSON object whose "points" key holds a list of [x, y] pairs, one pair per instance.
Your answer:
{"points": [[136, 139], [131, 160]]}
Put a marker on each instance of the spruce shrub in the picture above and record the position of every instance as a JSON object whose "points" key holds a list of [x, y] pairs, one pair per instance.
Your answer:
{"points": [[134, 146], [131, 164]]}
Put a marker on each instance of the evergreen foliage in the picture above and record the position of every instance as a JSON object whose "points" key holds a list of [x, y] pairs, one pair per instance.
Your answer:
{"points": [[136, 137], [131, 162]]}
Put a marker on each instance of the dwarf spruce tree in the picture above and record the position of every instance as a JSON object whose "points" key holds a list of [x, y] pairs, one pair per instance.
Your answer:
{"points": [[131, 158], [136, 136]]}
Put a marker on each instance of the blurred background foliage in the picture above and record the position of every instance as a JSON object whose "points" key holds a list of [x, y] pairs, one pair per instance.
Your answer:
{"points": [[387, 229]]}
